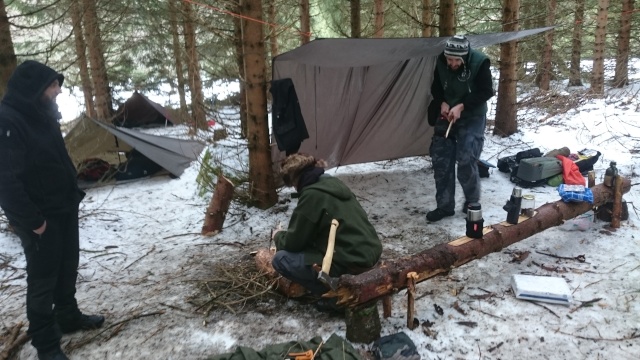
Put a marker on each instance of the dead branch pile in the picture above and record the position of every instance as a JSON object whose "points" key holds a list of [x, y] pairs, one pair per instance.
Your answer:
{"points": [[232, 287]]}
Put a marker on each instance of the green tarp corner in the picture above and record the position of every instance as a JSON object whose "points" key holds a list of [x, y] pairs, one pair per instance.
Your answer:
{"points": [[335, 348]]}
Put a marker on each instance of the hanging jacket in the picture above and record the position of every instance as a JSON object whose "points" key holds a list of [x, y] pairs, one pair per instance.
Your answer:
{"points": [[289, 128], [37, 177]]}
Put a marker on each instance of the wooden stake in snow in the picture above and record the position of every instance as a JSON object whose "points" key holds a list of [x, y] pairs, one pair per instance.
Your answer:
{"points": [[218, 207], [616, 211]]}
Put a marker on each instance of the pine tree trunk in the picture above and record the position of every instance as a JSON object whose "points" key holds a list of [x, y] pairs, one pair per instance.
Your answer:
{"points": [[621, 77], [597, 76], [272, 34], [378, 19], [545, 64], [447, 23], [239, 53], [178, 56], [506, 107], [193, 68], [305, 22], [575, 73], [81, 53], [98, 70], [427, 18], [262, 186], [8, 59], [355, 19], [390, 278]]}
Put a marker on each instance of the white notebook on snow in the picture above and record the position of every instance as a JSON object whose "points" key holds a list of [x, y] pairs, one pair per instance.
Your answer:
{"points": [[541, 288]]}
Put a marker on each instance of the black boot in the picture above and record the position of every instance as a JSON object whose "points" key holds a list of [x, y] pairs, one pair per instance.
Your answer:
{"points": [[84, 322], [55, 354], [438, 214]]}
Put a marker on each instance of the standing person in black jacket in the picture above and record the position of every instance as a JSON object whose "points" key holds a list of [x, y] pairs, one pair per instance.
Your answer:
{"points": [[40, 197]]}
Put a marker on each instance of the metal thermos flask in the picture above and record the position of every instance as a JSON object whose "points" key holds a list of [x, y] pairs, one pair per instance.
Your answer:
{"points": [[474, 221], [610, 175], [513, 205]]}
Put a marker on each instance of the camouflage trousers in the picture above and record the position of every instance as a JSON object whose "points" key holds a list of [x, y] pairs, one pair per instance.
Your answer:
{"points": [[463, 146]]}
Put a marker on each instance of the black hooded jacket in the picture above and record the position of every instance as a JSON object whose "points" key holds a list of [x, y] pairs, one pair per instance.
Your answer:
{"points": [[37, 177]]}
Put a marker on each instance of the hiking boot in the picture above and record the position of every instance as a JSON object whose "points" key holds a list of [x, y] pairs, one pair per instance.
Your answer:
{"points": [[465, 207], [56, 354], [84, 322], [329, 306], [438, 214]]}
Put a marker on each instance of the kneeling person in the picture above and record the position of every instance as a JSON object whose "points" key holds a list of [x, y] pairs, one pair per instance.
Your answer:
{"points": [[322, 198]]}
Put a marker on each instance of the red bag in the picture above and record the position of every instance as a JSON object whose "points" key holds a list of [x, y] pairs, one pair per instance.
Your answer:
{"points": [[570, 171]]}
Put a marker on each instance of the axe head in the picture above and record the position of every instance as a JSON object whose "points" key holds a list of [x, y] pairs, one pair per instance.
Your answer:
{"points": [[332, 283]]}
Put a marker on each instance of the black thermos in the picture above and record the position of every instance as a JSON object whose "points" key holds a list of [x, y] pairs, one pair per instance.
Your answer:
{"points": [[474, 221], [513, 205]]}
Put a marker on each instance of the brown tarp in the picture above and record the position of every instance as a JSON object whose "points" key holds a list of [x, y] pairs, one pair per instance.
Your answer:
{"points": [[366, 100]]}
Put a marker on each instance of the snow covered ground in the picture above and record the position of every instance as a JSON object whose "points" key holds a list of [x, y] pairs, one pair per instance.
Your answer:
{"points": [[142, 258]]}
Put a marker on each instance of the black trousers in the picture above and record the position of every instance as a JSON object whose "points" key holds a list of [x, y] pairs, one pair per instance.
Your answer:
{"points": [[52, 270]]}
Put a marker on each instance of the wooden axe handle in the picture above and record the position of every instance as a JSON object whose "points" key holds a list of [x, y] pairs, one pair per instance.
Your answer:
{"points": [[328, 256]]}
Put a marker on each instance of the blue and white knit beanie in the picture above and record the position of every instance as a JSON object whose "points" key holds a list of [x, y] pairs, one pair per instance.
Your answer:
{"points": [[457, 46]]}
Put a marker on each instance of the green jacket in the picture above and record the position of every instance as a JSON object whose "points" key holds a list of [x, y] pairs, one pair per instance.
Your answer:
{"points": [[458, 85], [357, 245]]}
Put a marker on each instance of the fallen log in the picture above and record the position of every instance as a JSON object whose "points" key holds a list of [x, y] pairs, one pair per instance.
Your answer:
{"points": [[391, 276]]}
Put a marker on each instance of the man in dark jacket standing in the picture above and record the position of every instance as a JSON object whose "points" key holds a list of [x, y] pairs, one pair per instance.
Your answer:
{"points": [[40, 197], [322, 198], [461, 87]]}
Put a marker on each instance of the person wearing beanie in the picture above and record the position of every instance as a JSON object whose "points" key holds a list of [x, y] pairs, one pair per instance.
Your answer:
{"points": [[302, 246], [40, 197], [461, 87]]}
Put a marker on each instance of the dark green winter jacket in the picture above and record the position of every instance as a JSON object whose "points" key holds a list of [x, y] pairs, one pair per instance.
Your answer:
{"points": [[357, 245], [470, 85]]}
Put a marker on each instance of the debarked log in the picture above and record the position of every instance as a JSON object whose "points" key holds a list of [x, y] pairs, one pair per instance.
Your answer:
{"points": [[391, 276]]}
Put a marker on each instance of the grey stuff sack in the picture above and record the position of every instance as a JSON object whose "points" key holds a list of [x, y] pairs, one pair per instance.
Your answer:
{"points": [[395, 347]]}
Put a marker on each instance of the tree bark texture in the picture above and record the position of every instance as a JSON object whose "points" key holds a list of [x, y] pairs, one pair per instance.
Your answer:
{"points": [[355, 19], [262, 187], [575, 73], [378, 15], [272, 34], [218, 207], [305, 22], [363, 324], [391, 276], [545, 69], [8, 59], [597, 75], [239, 52], [178, 55], [447, 23], [193, 68], [81, 53], [98, 69], [616, 213], [427, 18], [506, 106], [288, 288], [621, 77]]}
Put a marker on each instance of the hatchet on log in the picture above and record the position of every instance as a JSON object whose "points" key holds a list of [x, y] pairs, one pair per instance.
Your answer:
{"points": [[323, 275]]}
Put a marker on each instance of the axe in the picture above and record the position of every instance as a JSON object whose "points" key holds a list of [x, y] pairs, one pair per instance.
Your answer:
{"points": [[323, 275]]}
